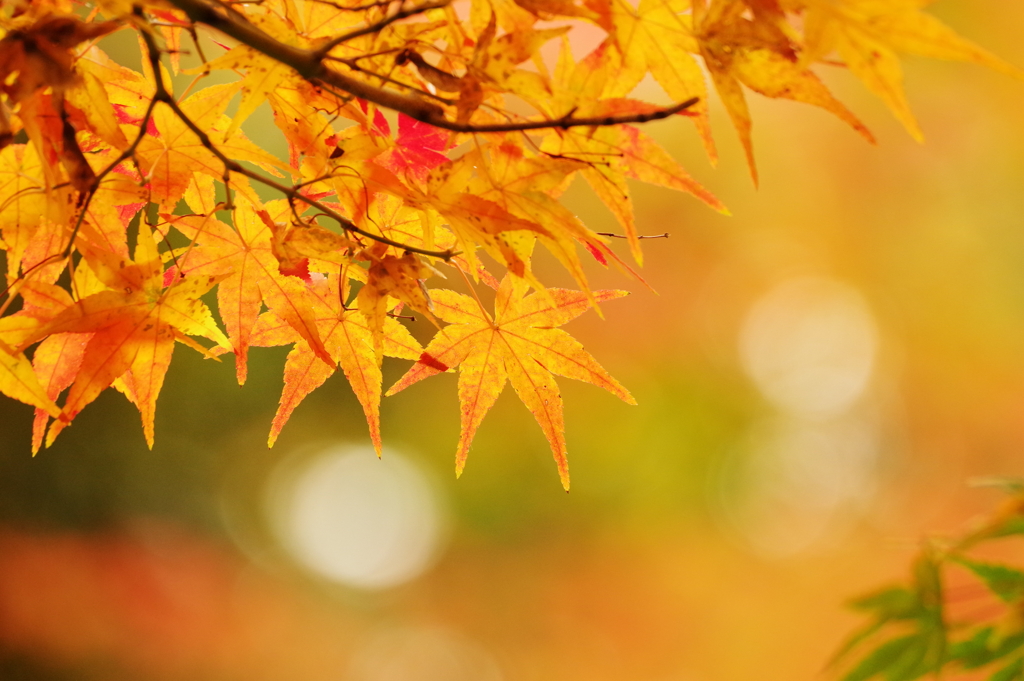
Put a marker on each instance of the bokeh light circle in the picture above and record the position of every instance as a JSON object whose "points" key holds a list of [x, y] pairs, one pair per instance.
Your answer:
{"points": [[809, 345], [353, 518], [796, 485]]}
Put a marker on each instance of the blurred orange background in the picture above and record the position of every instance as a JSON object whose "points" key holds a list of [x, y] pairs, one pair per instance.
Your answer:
{"points": [[819, 378]]}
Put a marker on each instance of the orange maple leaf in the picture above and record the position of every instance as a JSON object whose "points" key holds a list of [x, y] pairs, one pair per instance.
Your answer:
{"points": [[251, 273], [179, 166], [519, 344], [134, 323], [17, 377], [349, 341]]}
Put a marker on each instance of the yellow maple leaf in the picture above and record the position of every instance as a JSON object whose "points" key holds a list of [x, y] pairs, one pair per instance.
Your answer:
{"points": [[179, 166], [348, 339], [134, 322], [869, 35], [519, 344]]}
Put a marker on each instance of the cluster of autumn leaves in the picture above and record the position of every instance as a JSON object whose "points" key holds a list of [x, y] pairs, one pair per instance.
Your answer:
{"points": [[105, 172]]}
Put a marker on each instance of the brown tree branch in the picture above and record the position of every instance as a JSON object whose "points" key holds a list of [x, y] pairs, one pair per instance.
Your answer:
{"points": [[310, 64], [305, 62]]}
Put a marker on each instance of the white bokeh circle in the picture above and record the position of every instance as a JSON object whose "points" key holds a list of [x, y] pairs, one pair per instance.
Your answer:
{"points": [[809, 345], [353, 518]]}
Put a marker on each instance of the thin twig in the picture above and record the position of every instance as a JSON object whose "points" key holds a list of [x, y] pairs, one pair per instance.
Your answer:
{"points": [[641, 236], [320, 52]]}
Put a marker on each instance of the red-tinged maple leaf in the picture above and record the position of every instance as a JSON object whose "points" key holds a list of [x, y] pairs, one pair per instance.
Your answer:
{"points": [[418, 148], [127, 91], [380, 123], [348, 339], [123, 116], [519, 344], [56, 361], [243, 259], [356, 176], [134, 323]]}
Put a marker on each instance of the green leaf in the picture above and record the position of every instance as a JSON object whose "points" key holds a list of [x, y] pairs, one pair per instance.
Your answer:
{"points": [[1011, 672], [892, 659], [891, 603], [1005, 582], [1012, 526], [984, 648], [974, 652]]}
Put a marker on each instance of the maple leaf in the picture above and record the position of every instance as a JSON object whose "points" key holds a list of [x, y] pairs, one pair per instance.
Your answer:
{"points": [[18, 379], [520, 344], [473, 220], [294, 245], [418, 148], [522, 184], [249, 273], [179, 166], [869, 36], [263, 77], [758, 53], [399, 278], [57, 360], [39, 56], [25, 204], [617, 154], [350, 343], [657, 37], [134, 323]]}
